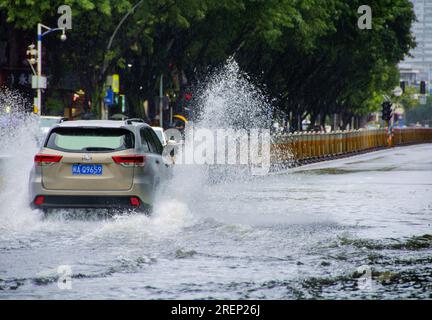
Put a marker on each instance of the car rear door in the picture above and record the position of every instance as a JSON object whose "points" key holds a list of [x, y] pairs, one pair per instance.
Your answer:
{"points": [[165, 169], [154, 147]]}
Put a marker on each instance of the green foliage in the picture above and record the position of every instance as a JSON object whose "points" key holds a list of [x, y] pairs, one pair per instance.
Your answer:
{"points": [[310, 54]]}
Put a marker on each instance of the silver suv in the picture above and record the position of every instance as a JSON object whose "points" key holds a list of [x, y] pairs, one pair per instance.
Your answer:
{"points": [[98, 164]]}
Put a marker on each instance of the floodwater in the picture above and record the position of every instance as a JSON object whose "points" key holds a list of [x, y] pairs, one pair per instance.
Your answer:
{"points": [[358, 227], [354, 228]]}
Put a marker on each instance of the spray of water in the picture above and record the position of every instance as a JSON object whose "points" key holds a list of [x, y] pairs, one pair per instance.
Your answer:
{"points": [[226, 100], [19, 132], [18, 144]]}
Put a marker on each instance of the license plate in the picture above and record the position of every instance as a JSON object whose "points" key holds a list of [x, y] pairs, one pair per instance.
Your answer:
{"points": [[87, 169]]}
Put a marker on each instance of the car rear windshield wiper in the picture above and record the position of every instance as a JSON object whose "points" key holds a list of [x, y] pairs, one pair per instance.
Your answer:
{"points": [[97, 149]]}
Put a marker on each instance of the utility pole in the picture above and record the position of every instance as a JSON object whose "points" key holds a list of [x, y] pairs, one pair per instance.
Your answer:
{"points": [[40, 83], [39, 69]]}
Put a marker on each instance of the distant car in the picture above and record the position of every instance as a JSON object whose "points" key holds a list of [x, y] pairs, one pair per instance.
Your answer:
{"points": [[98, 164], [160, 133]]}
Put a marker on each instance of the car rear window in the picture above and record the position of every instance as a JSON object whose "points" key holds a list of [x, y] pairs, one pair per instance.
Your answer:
{"points": [[90, 139]]}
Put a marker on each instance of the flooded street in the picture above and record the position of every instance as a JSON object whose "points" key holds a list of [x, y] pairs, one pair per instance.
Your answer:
{"points": [[359, 227], [216, 150]]}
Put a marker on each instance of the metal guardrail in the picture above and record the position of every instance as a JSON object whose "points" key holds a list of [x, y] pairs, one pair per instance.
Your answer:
{"points": [[412, 135], [313, 146]]}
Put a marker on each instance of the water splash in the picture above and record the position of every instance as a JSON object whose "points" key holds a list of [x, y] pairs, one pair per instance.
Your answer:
{"points": [[18, 144], [228, 99], [169, 218], [19, 132]]}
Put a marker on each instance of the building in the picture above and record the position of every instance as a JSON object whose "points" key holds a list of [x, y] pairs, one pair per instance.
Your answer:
{"points": [[419, 66]]}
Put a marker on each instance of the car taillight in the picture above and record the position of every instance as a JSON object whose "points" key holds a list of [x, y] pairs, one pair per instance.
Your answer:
{"points": [[134, 201], [39, 200], [130, 161], [46, 159]]}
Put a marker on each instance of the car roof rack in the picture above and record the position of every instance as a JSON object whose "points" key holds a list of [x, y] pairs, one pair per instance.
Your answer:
{"points": [[129, 121]]}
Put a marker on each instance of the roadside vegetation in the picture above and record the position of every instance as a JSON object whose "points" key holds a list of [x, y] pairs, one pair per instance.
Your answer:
{"points": [[309, 55]]}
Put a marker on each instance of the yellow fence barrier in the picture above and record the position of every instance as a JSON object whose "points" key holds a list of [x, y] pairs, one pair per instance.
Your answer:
{"points": [[304, 146]]}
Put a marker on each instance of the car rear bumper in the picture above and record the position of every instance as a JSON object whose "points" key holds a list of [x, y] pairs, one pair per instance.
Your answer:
{"points": [[141, 188], [88, 202]]}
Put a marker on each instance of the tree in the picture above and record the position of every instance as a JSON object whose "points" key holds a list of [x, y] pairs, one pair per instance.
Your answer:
{"points": [[308, 54]]}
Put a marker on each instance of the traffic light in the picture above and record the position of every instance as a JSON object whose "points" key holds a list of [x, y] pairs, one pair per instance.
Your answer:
{"points": [[386, 110], [32, 54], [423, 87]]}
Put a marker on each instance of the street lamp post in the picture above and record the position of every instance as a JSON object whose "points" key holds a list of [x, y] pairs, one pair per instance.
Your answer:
{"points": [[40, 35], [39, 69]]}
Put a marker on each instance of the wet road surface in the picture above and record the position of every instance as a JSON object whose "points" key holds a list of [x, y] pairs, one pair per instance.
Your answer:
{"points": [[357, 227]]}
